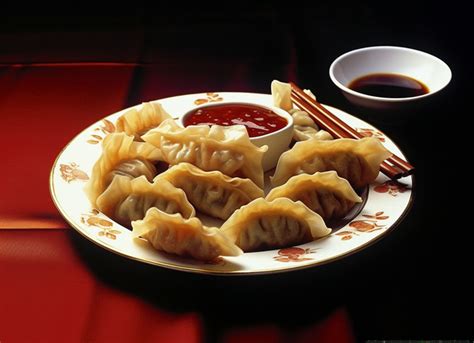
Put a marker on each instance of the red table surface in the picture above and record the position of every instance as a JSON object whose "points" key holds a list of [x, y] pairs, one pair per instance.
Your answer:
{"points": [[47, 294]]}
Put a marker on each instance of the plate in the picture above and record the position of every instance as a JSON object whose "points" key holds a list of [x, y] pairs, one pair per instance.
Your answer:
{"points": [[386, 203]]}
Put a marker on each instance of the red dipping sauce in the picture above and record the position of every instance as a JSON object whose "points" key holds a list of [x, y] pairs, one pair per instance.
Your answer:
{"points": [[257, 120]]}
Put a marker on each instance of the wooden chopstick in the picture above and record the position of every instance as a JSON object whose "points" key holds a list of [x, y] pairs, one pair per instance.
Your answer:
{"points": [[337, 128]]}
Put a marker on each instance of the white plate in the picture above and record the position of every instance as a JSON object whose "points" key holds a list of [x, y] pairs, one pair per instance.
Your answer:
{"points": [[386, 204]]}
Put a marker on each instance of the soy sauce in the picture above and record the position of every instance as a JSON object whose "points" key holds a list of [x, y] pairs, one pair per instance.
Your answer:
{"points": [[388, 86]]}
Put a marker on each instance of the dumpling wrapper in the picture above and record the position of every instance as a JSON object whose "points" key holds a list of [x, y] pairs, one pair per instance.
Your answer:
{"points": [[136, 122], [212, 192], [121, 156], [303, 126], [358, 161], [128, 199], [281, 93], [273, 224], [184, 237], [323, 192], [224, 148]]}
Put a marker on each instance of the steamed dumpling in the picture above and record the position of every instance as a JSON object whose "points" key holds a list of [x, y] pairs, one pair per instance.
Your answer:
{"points": [[184, 237], [136, 122], [121, 156], [132, 168], [128, 199], [273, 224], [212, 193], [303, 126], [358, 161], [281, 93], [325, 193], [224, 148]]}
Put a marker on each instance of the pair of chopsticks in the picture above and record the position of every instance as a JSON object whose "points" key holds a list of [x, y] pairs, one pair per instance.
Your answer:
{"points": [[394, 167]]}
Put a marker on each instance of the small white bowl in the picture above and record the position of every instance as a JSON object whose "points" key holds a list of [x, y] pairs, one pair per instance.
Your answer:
{"points": [[428, 69], [277, 141]]}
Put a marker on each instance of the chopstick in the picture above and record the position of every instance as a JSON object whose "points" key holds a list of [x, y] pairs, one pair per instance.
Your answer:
{"points": [[394, 167]]}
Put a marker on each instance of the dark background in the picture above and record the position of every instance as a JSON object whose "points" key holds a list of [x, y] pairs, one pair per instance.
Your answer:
{"points": [[413, 283]]}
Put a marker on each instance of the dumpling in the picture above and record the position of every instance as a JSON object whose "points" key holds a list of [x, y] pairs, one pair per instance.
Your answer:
{"points": [[305, 128], [136, 122], [121, 156], [128, 199], [273, 224], [212, 193], [325, 193], [224, 148], [281, 93], [358, 161], [184, 237]]}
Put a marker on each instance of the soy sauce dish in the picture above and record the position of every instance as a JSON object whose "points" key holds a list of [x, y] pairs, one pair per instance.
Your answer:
{"points": [[266, 125], [389, 77]]}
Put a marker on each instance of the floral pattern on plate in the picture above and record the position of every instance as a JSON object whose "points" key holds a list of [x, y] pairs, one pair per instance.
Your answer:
{"points": [[391, 187], [210, 97], [105, 226], [294, 254], [71, 172], [365, 225], [101, 131], [367, 132]]}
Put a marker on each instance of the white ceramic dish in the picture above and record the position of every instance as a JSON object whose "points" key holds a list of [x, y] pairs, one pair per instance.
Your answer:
{"points": [[277, 142], [386, 203], [428, 69]]}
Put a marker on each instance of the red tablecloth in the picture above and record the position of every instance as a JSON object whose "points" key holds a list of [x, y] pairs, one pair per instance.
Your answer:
{"points": [[47, 294]]}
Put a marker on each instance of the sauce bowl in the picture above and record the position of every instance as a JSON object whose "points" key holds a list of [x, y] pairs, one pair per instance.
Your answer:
{"points": [[426, 68], [277, 141]]}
